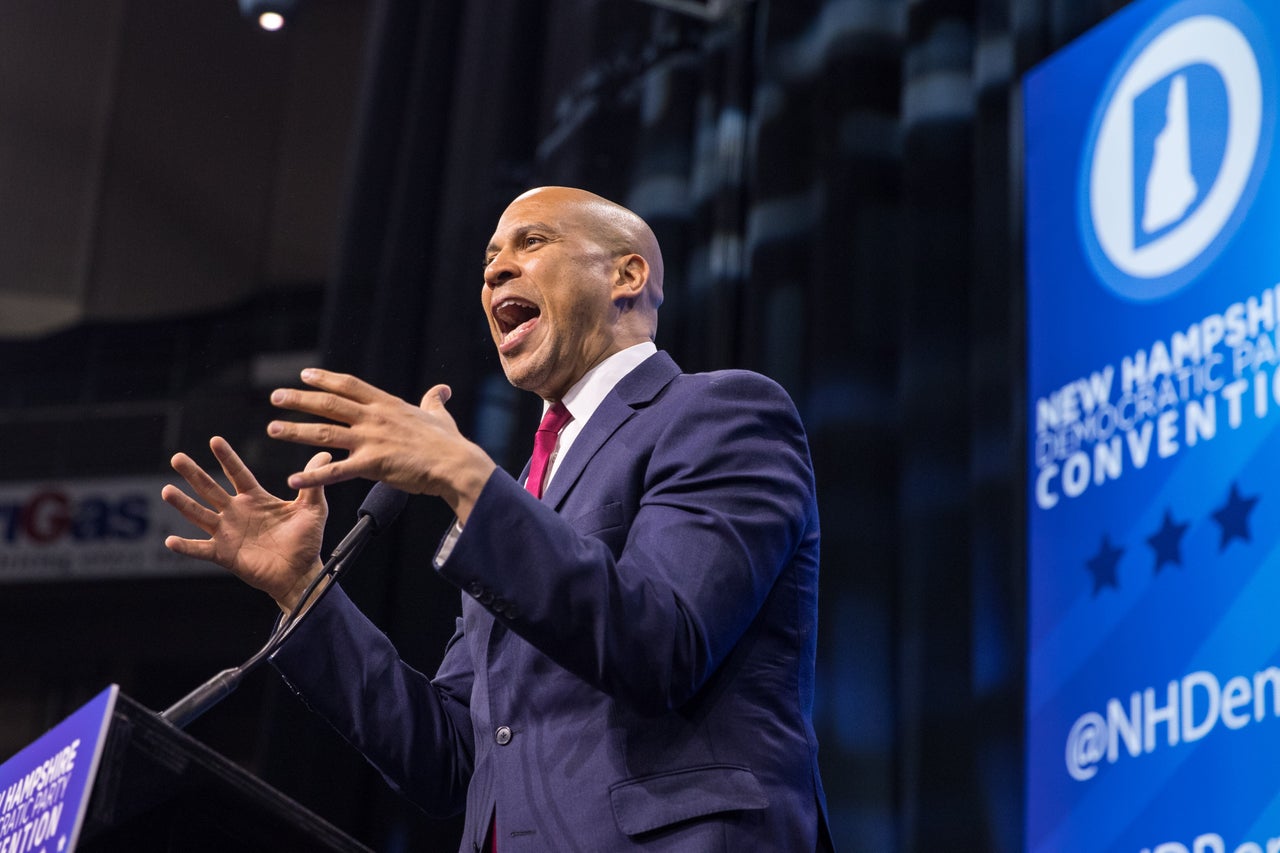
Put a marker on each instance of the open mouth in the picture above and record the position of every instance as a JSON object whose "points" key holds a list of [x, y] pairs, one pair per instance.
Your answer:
{"points": [[515, 317]]}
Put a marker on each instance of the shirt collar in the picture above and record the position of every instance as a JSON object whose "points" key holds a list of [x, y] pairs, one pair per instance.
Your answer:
{"points": [[588, 392]]}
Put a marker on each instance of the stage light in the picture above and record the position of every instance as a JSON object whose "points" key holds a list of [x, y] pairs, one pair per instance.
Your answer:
{"points": [[270, 14]]}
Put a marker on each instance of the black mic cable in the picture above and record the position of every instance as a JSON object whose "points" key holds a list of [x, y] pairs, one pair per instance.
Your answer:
{"points": [[379, 508]]}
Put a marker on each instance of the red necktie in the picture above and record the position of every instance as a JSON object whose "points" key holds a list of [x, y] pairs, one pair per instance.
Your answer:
{"points": [[544, 443]]}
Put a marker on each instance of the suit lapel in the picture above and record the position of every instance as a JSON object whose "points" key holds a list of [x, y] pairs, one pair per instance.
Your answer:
{"points": [[635, 390]]}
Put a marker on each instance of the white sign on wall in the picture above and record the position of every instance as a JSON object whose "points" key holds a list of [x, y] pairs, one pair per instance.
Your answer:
{"points": [[98, 529]]}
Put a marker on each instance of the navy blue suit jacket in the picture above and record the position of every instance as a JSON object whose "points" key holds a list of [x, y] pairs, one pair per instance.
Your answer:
{"points": [[633, 668]]}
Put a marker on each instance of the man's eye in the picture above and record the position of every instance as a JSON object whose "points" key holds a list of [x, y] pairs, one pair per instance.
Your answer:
{"points": [[533, 239]]}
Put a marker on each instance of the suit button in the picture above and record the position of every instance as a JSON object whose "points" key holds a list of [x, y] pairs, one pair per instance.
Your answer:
{"points": [[502, 735], [475, 589]]}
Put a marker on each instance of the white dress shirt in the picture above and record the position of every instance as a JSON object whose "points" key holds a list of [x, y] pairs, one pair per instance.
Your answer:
{"points": [[581, 400], [587, 393]]}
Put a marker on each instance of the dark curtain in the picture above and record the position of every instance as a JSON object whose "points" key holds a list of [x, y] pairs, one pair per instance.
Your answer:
{"points": [[835, 185]]}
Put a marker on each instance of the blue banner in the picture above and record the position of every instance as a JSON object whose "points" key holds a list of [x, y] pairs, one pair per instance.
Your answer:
{"points": [[44, 789], [1153, 273]]}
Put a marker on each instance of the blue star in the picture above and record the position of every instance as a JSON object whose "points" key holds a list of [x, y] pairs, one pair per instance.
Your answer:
{"points": [[1103, 566], [1167, 542], [1233, 518]]}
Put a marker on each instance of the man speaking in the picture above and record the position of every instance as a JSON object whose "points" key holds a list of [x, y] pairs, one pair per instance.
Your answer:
{"points": [[633, 667]]}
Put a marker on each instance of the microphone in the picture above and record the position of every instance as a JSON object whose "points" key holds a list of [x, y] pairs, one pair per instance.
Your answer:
{"points": [[380, 507]]}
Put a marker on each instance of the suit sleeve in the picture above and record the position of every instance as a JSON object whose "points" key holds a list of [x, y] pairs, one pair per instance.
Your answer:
{"points": [[722, 495], [416, 731]]}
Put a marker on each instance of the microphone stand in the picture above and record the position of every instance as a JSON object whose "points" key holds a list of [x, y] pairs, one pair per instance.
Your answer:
{"points": [[378, 509]]}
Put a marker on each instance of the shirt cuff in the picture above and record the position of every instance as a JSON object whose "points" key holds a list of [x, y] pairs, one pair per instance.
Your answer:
{"points": [[446, 547]]}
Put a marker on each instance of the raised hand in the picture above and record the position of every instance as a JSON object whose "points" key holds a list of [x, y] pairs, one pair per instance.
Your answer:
{"points": [[270, 543], [417, 449]]}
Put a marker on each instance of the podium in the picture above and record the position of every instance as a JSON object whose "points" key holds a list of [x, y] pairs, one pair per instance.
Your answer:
{"points": [[115, 777]]}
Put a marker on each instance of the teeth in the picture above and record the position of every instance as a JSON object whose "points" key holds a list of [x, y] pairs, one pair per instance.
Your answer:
{"points": [[512, 314]]}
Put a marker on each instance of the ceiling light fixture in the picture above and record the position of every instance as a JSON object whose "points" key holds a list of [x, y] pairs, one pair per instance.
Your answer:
{"points": [[271, 15]]}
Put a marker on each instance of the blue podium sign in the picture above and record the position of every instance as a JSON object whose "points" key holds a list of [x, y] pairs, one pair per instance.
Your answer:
{"points": [[1153, 288], [44, 789]]}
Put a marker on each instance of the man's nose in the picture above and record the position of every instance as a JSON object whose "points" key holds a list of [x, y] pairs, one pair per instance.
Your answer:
{"points": [[501, 269]]}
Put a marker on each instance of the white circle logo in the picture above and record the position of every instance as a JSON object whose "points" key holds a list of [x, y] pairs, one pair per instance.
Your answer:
{"points": [[1174, 155]]}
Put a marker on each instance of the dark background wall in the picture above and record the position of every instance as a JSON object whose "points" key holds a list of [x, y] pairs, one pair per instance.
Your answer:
{"points": [[193, 208]]}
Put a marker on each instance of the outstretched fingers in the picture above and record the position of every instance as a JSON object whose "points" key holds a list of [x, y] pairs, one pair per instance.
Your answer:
{"points": [[200, 549], [343, 385], [314, 493], [193, 511], [321, 404], [316, 435], [313, 478], [341, 400], [201, 483], [233, 466], [436, 397], [339, 396]]}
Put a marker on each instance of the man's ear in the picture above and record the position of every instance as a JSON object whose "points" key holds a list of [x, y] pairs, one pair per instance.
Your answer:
{"points": [[632, 273]]}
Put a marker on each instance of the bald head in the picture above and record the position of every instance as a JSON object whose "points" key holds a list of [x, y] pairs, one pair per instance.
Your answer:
{"points": [[613, 226]]}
